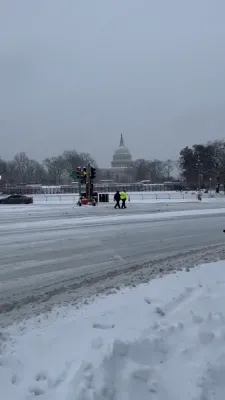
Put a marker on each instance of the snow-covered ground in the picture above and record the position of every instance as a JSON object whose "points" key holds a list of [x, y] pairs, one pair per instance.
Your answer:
{"points": [[163, 340]]}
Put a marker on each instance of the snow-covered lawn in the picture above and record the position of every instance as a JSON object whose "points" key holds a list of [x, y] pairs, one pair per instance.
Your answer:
{"points": [[163, 340]]}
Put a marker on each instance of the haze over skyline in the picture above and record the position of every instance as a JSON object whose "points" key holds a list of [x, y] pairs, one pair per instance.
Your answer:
{"points": [[74, 75]]}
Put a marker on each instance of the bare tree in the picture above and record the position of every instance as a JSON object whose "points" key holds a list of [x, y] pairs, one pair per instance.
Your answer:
{"points": [[55, 167], [72, 160], [11, 175], [87, 159], [168, 167], [22, 164], [36, 172], [142, 170], [219, 156], [3, 166], [157, 169], [218, 163], [3, 172]]}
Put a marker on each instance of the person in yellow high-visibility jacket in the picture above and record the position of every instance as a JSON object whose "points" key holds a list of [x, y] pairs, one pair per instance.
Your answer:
{"points": [[123, 197]]}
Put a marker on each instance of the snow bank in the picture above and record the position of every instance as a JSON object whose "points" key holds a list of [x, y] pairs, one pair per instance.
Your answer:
{"points": [[162, 340]]}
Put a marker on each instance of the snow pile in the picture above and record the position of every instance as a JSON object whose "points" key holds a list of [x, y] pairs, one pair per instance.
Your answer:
{"points": [[162, 340]]}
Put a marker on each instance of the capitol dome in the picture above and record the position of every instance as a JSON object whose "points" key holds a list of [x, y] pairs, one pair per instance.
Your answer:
{"points": [[122, 157]]}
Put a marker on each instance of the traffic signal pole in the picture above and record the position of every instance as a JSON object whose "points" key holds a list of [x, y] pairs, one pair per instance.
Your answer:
{"points": [[79, 185], [88, 184]]}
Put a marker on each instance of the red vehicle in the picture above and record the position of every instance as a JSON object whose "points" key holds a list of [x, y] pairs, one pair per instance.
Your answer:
{"points": [[16, 199], [84, 201]]}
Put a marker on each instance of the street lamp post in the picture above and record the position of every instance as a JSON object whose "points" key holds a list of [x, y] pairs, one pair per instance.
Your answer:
{"points": [[198, 165], [210, 187]]}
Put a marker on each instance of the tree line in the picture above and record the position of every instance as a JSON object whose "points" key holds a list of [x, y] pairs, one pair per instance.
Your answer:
{"points": [[52, 171], [156, 171], [201, 163], [57, 170]]}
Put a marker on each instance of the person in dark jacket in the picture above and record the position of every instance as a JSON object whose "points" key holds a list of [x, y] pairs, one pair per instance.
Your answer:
{"points": [[117, 199]]}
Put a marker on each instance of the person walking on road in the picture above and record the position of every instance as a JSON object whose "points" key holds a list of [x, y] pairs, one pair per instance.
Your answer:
{"points": [[117, 199], [123, 197]]}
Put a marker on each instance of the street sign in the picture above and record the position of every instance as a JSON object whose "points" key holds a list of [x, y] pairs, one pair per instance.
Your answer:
{"points": [[74, 175]]}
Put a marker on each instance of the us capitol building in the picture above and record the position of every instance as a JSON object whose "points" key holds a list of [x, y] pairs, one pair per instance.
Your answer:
{"points": [[121, 166]]}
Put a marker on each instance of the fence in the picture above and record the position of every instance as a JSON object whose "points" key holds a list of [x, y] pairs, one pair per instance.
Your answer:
{"points": [[133, 197], [99, 187]]}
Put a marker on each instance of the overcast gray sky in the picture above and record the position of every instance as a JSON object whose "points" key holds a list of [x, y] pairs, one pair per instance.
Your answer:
{"points": [[76, 73]]}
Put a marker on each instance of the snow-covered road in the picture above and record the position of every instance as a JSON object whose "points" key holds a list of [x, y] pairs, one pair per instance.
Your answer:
{"points": [[162, 339], [56, 252]]}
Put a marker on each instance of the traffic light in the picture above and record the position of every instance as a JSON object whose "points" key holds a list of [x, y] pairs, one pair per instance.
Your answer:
{"points": [[84, 171], [78, 172], [93, 173], [84, 175]]}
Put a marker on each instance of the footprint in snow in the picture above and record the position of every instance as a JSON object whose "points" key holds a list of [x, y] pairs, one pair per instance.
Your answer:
{"points": [[36, 391], [41, 376], [206, 337], [159, 311], [14, 379], [103, 326]]}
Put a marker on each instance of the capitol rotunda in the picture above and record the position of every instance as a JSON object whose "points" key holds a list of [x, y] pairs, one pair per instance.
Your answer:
{"points": [[122, 165], [122, 157]]}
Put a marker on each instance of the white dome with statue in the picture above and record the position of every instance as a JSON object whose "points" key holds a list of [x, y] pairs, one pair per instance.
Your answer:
{"points": [[122, 157]]}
